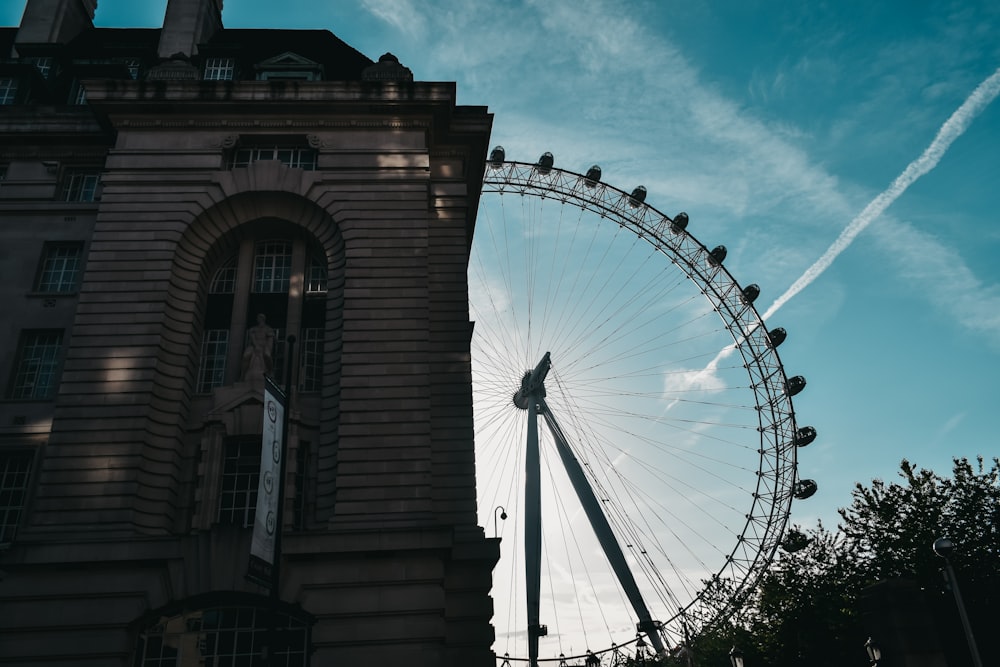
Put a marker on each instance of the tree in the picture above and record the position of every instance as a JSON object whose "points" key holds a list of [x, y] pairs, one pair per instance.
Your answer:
{"points": [[892, 527], [806, 609]]}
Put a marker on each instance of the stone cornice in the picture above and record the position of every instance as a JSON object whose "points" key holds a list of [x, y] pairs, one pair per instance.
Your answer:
{"points": [[102, 92], [275, 124]]}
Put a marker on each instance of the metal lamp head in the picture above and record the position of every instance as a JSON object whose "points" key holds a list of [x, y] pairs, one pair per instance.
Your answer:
{"points": [[874, 652], [944, 547]]}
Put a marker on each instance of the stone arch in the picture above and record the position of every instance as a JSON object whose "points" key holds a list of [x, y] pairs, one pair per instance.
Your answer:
{"points": [[196, 251]]}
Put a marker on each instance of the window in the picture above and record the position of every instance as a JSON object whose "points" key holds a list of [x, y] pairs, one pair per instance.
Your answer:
{"points": [[298, 157], [272, 267], [214, 349], [224, 280], [14, 470], [79, 94], [80, 185], [134, 65], [59, 271], [37, 364], [312, 360], [240, 477], [43, 65], [316, 276], [219, 69], [232, 635], [8, 90], [283, 279]]}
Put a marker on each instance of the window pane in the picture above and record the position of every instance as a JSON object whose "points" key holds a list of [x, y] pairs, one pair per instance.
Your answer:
{"points": [[292, 156], [184, 640], [224, 280], [133, 65], [8, 90], [42, 64], [212, 371], [312, 359], [316, 278], [80, 185], [240, 476], [79, 96], [14, 469], [60, 268], [272, 267], [219, 69], [37, 363]]}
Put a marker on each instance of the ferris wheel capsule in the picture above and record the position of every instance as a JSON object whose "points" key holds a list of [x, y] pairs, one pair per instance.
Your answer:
{"points": [[545, 162], [805, 488], [804, 436], [679, 223], [637, 197], [776, 337], [497, 156], [593, 176], [718, 255], [795, 540], [750, 294], [794, 385]]}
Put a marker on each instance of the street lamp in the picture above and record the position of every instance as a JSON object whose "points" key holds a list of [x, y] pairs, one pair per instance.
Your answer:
{"points": [[736, 657], [944, 547], [496, 524], [874, 652]]}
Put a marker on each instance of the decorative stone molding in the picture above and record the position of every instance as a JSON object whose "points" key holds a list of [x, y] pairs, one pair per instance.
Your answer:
{"points": [[177, 68], [387, 68]]}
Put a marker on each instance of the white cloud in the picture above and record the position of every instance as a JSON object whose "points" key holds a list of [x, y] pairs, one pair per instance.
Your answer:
{"points": [[938, 273], [401, 14]]}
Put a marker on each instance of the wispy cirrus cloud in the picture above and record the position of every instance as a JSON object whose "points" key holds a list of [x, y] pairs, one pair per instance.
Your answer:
{"points": [[591, 83], [952, 129], [403, 15]]}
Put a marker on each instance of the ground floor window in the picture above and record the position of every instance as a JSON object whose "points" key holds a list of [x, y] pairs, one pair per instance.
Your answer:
{"points": [[232, 636]]}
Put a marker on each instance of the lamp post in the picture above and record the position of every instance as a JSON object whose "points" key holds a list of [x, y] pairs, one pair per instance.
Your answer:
{"points": [[944, 547], [496, 524], [874, 652], [736, 657]]}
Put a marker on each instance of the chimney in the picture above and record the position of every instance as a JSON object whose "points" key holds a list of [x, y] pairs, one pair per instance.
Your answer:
{"points": [[187, 24], [55, 21]]}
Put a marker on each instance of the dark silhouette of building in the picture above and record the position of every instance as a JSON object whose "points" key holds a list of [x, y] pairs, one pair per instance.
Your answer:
{"points": [[161, 189]]}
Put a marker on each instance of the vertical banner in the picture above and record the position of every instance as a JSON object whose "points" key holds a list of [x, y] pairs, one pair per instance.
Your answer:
{"points": [[269, 488]]}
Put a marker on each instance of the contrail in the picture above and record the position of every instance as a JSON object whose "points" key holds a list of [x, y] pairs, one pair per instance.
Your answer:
{"points": [[952, 129]]}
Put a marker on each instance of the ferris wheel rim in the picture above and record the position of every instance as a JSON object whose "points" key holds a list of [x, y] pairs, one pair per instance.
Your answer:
{"points": [[771, 502]]}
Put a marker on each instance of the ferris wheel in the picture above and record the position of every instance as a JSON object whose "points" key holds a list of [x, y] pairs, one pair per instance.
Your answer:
{"points": [[635, 435]]}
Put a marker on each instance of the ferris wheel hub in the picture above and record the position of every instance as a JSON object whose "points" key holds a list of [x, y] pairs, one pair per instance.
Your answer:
{"points": [[533, 383]]}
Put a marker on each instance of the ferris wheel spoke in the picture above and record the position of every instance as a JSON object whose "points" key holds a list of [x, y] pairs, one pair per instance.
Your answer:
{"points": [[683, 442]]}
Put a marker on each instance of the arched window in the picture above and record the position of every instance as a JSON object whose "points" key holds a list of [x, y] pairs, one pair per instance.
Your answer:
{"points": [[231, 636], [277, 273]]}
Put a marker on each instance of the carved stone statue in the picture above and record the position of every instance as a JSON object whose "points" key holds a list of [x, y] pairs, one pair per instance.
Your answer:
{"points": [[258, 357]]}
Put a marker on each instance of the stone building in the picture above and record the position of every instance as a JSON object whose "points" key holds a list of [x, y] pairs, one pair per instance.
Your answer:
{"points": [[161, 189]]}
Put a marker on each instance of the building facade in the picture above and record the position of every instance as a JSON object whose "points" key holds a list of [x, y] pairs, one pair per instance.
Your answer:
{"points": [[177, 205]]}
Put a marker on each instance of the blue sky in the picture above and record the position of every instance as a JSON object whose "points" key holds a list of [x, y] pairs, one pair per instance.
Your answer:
{"points": [[773, 124]]}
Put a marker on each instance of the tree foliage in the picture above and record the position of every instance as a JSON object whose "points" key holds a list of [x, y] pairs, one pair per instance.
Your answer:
{"points": [[807, 608]]}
